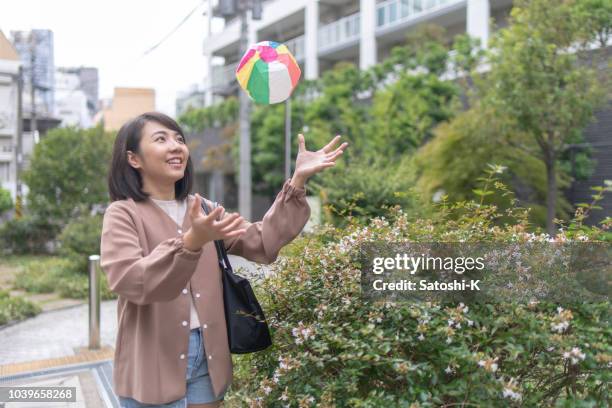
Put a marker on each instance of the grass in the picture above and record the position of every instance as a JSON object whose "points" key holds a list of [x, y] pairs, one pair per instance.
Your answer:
{"points": [[15, 308], [55, 274]]}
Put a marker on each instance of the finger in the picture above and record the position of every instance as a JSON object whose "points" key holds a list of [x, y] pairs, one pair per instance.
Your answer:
{"points": [[340, 148], [235, 233], [233, 225], [334, 156], [330, 146], [301, 143], [227, 220], [212, 216], [194, 209], [325, 165]]}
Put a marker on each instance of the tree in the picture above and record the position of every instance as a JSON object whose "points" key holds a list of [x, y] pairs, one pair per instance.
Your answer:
{"points": [[68, 173], [537, 80], [459, 154]]}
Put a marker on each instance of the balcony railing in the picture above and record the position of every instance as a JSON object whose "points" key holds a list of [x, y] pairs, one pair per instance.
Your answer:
{"points": [[345, 30], [392, 12], [223, 75], [296, 46], [339, 32]]}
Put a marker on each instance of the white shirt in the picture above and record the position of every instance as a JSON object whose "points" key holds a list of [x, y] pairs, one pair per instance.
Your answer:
{"points": [[176, 210]]}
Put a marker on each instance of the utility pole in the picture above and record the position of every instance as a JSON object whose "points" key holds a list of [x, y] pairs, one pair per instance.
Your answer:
{"points": [[287, 138], [244, 187], [33, 122], [230, 8], [19, 148]]}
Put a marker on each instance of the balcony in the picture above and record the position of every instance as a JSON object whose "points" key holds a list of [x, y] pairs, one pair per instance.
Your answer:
{"points": [[339, 32], [394, 12], [392, 16], [296, 46], [224, 78]]}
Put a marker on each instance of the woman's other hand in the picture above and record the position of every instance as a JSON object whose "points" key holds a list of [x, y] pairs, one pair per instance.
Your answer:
{"points": [[310, 163], [206, 228]]}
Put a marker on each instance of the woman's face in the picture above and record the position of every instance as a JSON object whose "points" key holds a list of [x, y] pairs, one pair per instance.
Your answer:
{"points": [[163, 154]]}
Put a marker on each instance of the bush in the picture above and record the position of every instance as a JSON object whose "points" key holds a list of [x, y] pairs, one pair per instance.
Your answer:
{"points": [[57, 275], [41, 275], [6, 202], [365, 187], [12, 308], [79, 239], [27, 235], [332, 347]]}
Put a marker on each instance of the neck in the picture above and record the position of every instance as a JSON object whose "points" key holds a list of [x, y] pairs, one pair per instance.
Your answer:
{"points": [[159, 190]]}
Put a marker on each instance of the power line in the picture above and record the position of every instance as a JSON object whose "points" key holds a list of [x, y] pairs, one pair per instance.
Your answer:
{"points": [[183, 21]]}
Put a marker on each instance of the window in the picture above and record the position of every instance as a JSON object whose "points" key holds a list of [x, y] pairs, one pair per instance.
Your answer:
{"points": [[5, 172]]}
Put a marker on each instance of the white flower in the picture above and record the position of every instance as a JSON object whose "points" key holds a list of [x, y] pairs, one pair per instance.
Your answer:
{"points": [[448, 370], [559, 327], [489, 364], [470, 323], [574, 355], [421, 337], [449, 340], [267, 389], [508, 393]]}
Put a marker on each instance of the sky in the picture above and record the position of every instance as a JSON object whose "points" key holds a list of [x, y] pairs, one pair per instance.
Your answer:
{"points": [[113, 35]]}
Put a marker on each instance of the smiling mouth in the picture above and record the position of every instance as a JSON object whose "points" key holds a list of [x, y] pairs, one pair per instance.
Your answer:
{"points": [[176, 163]]}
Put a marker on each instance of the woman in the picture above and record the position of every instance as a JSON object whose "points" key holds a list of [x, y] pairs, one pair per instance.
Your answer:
{"points": [[158, 255]]}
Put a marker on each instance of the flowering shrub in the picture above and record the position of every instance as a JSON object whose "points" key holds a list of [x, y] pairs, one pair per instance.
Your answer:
{"points": [[334, 348]]}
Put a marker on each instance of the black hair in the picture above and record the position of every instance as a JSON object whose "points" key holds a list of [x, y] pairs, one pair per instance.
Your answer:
{"points": [[124, 181]]}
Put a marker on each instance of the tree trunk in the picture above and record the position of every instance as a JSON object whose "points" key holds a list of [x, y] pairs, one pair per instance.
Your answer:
{"points": [[551, 195]]}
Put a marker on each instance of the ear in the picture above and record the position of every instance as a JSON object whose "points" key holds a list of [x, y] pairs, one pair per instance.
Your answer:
{"points": [[133, 160]]}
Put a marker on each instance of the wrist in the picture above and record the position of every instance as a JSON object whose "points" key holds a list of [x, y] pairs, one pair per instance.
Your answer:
{"points": [[298, 181], [192, 243]]}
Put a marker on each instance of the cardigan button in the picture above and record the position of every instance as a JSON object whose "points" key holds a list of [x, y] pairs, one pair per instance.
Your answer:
{"points": [[185, 291], [182, 356], [184, 323], [180, 231], [197, 295], [210, 357], [205, 326]]}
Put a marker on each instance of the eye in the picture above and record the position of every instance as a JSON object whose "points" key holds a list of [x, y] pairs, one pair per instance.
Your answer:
{"points": [[162, 138], [181, 139]]}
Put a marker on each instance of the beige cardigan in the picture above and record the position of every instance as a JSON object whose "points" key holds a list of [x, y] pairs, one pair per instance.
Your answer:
{"points": [[143, 257]]}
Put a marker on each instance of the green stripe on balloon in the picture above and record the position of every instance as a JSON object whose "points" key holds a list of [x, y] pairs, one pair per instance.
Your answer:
{"points": [[258, 85]]}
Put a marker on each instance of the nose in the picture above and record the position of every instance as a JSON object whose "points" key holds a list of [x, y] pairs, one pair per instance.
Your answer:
{"points": [[175, 145]]}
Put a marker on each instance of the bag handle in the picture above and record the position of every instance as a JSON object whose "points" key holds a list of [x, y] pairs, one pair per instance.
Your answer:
{"points": [[219, 245]]}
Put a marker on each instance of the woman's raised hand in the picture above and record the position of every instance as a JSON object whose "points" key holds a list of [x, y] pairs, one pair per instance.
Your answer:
{"points": [[206, 228], [309, 163]]}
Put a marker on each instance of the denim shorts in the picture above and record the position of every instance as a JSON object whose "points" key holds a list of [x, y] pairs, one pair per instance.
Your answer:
{"points": [[199, 387]]}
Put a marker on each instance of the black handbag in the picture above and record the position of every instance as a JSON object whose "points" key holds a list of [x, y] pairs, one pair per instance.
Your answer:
{"points": [[247, 330]]}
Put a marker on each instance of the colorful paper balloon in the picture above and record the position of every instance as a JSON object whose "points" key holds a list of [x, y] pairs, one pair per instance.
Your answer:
{"points": [[268, 72]]}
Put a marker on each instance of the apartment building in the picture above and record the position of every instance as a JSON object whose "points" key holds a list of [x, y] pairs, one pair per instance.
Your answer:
{"points": [[321, 33], [9, 71]]}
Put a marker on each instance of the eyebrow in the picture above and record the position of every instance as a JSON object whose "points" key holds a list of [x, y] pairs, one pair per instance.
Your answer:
{"points": [[165, 133]]}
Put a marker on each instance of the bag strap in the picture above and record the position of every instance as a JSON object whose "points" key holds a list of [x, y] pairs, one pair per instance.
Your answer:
{"points": [[219, 245]]}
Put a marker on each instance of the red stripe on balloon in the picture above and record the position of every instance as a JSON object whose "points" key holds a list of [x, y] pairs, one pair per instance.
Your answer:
{"points": [[245, 59], [292, 67]]}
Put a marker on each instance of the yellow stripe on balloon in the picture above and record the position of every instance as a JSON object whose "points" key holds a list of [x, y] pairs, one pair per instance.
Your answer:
{"points": [[245, 72], [282, 49]]}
